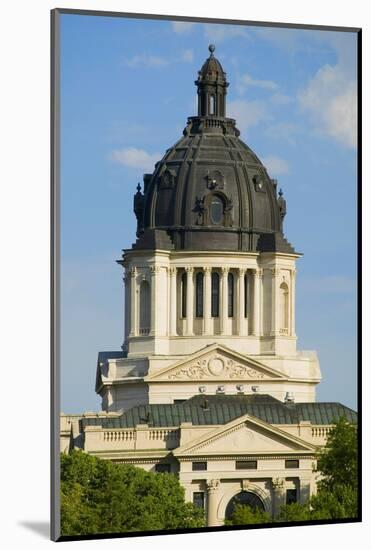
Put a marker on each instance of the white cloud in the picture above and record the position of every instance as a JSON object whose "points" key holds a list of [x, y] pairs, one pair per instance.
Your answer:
{"points": [[247, 113], [135, 158], [187, 56], [146, 60], [331, 99], [219, 33], [246, 81], [275, 166], [182, 27], [283, 131], [280, 99]]}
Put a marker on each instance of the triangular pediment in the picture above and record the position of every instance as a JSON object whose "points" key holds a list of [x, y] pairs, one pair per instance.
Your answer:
{"points": [[246, 435], [216, 362]]}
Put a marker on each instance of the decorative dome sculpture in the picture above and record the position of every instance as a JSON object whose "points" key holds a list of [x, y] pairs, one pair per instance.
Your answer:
{"points": [[210, 191]]}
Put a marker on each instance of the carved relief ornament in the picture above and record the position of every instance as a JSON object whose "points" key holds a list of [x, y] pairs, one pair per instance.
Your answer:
{"points": [[215, 367]]}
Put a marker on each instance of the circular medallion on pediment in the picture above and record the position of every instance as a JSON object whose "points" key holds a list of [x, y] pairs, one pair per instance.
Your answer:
{"points": [[215, 366]]}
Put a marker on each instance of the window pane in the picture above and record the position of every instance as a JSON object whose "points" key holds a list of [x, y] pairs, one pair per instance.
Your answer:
{"points": [[215, 295], [212, 105], [199, 294], [216, 211], [246, 464], [291, 496], [162, 468], [291, 464], [230, 295], [198, 466], [199, 499]]}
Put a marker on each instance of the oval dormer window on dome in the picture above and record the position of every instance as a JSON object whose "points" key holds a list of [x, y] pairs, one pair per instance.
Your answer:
{"points": [[216, 210]]}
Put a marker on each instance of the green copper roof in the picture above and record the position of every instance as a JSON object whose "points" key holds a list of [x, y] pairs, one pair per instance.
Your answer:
{"points": [[220, 409]]}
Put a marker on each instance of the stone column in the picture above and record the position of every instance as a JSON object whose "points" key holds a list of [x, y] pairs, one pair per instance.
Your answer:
{"points": [[212, 502], [292, 302], [241, 302], [155, 269], [190, 295], [207, 300], [274, 306], [279, 490], [173, 301], [224, 311], [133, 302], [257, 302]]}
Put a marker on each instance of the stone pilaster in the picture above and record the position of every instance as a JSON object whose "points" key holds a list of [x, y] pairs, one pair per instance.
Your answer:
{"points": [[173, 301], [212, 501], [133, 302], [274, 305], [292, 302], [257, 302], [279, 490], [155, 270]]}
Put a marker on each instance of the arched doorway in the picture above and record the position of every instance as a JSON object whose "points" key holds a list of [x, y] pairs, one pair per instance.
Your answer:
{"points": [[244, 497]]}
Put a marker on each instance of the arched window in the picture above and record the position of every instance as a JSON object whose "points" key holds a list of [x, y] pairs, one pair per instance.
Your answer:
{"points": [[284, 308], [230, 295], [199, 294], [215, 294], [144, 308], [184, 295], [212, 105], [246, 290], [216, 210]]}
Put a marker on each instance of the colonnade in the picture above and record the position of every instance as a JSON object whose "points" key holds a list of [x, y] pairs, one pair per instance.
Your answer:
{"points": [[240, 299], [165, 301]]}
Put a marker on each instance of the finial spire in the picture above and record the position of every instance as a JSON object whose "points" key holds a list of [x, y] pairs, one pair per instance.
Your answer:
{"points": [[212, 87]]}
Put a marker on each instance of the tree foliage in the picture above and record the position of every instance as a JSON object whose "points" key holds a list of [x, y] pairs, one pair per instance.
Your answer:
{"points": [[338, 461], [337, 464], [99, 496], [243, 514]]}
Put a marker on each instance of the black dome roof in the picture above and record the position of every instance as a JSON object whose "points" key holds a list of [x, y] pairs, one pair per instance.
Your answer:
{"points": [[210, 191]]}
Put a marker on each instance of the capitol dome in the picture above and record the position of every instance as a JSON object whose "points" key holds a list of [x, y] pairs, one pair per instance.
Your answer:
{"points": [[210, 191]]}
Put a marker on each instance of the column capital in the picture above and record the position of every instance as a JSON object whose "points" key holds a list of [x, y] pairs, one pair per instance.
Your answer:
{"points": [[207, 269], [293, 273], [225, 270], [275, 271], [258, 272], [172, 271], [212, 485], [155, 269], [133, 271], [242, 271], [189, 269], [278, 484]]}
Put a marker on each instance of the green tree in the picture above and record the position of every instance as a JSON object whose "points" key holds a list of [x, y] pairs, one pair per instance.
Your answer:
{"points": [[337, 464], [243, 514], [338, 461], [294, 512], [99, 496]]}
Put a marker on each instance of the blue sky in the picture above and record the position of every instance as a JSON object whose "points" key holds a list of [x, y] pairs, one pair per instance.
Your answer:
{"points": [[127, 87]]}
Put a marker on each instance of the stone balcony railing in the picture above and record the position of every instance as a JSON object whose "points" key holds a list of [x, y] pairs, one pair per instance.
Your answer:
{"points": [[140, 438]]}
